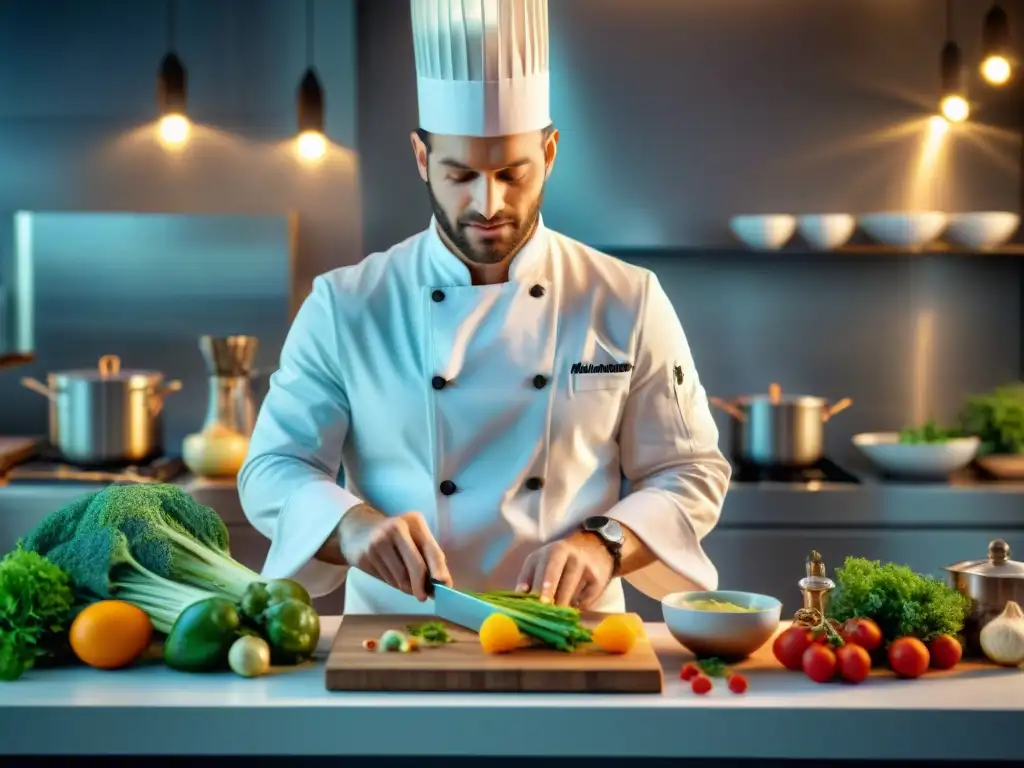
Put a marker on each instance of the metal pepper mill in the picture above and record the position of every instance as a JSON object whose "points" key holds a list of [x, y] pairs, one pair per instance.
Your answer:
{"points": [[229, 363], [816, 585]]}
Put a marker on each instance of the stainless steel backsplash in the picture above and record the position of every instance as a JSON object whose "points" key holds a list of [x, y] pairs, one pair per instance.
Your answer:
{"points": [[906, 336], [145, 287]]}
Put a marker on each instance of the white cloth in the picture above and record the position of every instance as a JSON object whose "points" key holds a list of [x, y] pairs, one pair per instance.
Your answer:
{"points": [[481, 66], [354, 391]]}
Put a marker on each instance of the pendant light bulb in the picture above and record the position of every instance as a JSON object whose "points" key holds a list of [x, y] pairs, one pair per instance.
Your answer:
{"points": [[311, 143], [954, 106], [997, 58], [172, 100]]}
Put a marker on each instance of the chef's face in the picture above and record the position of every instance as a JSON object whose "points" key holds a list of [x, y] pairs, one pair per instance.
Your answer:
{"points": [[486, 192]]}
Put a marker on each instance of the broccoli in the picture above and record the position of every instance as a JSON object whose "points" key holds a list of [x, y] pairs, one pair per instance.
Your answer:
{"points": [[150, 545]]}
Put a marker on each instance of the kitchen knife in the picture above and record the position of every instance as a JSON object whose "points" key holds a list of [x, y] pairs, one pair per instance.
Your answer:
{"points": [[459, 608]]}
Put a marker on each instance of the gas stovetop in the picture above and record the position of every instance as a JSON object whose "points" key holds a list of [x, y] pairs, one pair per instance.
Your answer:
{"points": [[48, 467], [825, 471]]}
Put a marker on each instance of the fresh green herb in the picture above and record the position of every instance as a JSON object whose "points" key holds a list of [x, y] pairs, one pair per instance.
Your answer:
{"points": [[997, 418], [900, 601], [713, 667], [556, 626], [431, 632], [36, 604], [930, 432]]}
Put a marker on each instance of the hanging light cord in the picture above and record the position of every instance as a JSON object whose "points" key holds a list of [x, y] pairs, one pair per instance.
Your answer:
{"points": [[309, 34], [172, 26], [949, 20]]}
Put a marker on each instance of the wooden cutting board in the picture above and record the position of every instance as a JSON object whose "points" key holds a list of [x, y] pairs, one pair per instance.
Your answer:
{"points": [[463, 665]]}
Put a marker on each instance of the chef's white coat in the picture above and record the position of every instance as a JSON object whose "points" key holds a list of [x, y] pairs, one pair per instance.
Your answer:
{"points": [[505, 414]]}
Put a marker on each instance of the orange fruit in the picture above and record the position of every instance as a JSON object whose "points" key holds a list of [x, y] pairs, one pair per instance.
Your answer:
{"points": [[110, 634], [500, 634], [615, 634]]}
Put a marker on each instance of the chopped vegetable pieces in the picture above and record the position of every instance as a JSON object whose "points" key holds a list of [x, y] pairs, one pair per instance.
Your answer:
{"points": [[431, 632]]}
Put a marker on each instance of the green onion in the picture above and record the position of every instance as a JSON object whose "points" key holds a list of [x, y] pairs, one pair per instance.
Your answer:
{"points": [[556, 626]]}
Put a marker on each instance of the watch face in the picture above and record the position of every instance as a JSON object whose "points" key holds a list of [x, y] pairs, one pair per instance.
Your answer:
{"points": [[605, 527]]}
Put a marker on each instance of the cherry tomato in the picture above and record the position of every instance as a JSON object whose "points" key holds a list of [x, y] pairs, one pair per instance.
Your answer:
{"points": [[701, 684], [908, 657], [689, 671], [738, 683], [790, 645], [862, 632], [945, 652], [819, 663], [854, 663]]}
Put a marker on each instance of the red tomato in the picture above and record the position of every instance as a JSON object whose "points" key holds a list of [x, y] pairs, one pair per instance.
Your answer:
{"points": [[700, 684], [945, 652], [738, 683], [790, 645], [819, 663], [689, 671], [854, 663], [908, 657], [862, 632]]}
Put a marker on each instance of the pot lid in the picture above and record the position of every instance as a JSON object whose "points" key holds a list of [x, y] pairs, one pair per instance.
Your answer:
{"points": [[998, 563], [109, 369]]}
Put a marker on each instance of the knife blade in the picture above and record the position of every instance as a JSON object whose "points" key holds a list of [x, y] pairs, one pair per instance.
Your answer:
{"points": [[459, 608]]}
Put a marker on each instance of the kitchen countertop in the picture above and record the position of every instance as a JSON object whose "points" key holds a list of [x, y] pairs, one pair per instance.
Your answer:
{"points": [[154, 711]]}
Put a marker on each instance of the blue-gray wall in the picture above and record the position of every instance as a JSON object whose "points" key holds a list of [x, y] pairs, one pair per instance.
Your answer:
{"points": [[77, 103], [676, 115]]}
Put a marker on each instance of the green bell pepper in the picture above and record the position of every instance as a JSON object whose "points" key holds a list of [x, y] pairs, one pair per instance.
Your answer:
{"points": [[293, 629]]}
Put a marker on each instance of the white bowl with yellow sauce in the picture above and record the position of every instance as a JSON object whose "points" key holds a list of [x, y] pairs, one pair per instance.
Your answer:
{"points": [[722, 623]]}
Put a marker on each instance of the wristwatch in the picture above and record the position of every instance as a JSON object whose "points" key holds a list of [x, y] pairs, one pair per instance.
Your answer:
{"points": [[610, 533]]}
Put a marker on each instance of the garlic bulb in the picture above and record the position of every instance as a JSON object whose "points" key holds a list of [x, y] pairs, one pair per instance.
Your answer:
{"points": [[1002, 639]]}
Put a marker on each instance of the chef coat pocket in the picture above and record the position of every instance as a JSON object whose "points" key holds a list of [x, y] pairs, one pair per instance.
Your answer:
{"points": [[679, 392], [589, 382]]}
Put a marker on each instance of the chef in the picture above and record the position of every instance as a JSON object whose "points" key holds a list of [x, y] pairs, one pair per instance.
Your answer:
{"points": [[489, 402]]}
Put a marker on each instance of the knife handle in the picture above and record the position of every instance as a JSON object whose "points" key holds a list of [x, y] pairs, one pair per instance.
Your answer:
{"points": [[431, 581]]}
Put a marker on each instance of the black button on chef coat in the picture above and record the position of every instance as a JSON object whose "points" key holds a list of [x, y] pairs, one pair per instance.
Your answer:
{"points": [[438, 382], [537, 291], [448, 487], [535, 483], [437, 295], [540, 381]]}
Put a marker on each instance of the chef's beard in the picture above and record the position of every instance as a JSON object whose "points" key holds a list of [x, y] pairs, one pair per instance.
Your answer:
{"points": [[498, 251]]}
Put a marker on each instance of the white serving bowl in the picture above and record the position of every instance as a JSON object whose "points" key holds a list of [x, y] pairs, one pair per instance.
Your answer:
{"points": [[767, 232], [725, 635], [982, 230], [825, 231], [906, 229], [916, 460]]}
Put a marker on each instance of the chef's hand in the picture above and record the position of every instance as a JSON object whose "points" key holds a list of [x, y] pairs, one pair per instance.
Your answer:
{"points": [[400, 550], [572, 571]]}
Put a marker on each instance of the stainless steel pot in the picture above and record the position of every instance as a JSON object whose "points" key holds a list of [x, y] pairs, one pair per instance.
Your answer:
{"points": [[105, 415], [990, 584], [777, 430]]}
